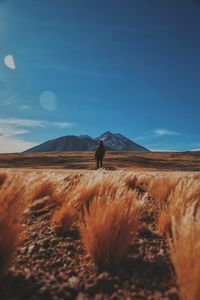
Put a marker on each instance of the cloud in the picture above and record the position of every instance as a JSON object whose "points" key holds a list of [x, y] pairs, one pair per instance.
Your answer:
{"points": [[164, 132], [78, 71], [12, 128], [157, 133], [33, 123], [13, 145], [7, 102], [12, 132], [24, 107]]}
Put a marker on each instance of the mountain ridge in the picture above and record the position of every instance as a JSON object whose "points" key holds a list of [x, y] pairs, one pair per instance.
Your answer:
{"points": [[112, 142]]}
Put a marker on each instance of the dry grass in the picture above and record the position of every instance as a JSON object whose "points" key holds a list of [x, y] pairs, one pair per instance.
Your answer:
{"points": [[63, 219], [185, 253], [45, 188], [106, 206], [179, 194], [3, 177], [10, 220], [80, 194], [106, 212], [108, 229]]}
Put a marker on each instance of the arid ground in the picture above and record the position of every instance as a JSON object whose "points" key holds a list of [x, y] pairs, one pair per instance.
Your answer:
{"points": [[129, 231], [173, 161]]}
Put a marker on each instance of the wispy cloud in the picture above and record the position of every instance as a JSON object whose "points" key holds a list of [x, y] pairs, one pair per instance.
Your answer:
{"points": [[33, 123], [157, 133], [24, 107], [77, 71], [165, 132], [11, 131], [7, 102], [12, 128], [163, 139]]}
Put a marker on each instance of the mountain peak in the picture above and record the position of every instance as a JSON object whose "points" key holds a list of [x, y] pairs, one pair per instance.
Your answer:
{"points": [[118, 142], [106, 133], [112, 142]]}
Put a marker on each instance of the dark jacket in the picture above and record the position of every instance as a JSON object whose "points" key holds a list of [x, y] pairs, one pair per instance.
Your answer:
{"points": [[100, 151]]}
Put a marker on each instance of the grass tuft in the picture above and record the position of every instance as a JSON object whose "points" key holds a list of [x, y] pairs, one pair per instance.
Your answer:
{"points": [[10, 220], [63, 219], [3, 177], [108, 229], [185, 253]]}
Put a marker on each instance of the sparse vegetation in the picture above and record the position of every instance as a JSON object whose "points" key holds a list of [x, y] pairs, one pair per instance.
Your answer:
{"points": [[108, 209]]}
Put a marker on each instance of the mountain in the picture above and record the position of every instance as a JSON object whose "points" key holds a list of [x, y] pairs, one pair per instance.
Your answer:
{"points": [[112, 142], [118, 142]]}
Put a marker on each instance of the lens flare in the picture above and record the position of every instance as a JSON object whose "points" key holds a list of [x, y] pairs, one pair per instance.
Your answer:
{"points": [[10, 62], [48, 100]]}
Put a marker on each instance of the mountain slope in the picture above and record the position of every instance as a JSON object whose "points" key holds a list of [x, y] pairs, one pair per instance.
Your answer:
{"points": [[112, 142], [118, 142]]}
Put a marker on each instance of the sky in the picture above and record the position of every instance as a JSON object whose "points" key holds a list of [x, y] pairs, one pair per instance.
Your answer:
{"points": [[72, 67]]}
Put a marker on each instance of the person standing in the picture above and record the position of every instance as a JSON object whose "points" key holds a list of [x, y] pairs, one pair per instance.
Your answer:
{"points": [[99, 154]]}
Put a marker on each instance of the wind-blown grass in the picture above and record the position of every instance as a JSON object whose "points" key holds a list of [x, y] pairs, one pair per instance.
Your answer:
{"points": [[3, 177], [185, 253], [107, 207], [108, 229], [10, 220]]}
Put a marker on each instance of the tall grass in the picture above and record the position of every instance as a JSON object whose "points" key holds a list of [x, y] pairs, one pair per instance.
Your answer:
{"points": [[185, 253], [106, 212], [80, 194], [108, 229], [3, 177], [63, 219], [43, 189], [106, 207], [10, 220], [179, 194]]}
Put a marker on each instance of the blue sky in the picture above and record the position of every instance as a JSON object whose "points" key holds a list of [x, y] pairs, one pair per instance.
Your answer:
{"points": [[85, 67]]}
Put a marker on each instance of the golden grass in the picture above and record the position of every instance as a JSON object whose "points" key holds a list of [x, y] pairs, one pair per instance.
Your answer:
{"points": [[10, 220], [108, 229], [185, 253], [106, 207], [106, 212], [80, 194], [63, 219], [3, 177], [43, 189], [175, 198]]}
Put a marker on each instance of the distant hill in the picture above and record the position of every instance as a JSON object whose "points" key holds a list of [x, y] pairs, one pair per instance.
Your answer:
{"points": [[112, 142]]}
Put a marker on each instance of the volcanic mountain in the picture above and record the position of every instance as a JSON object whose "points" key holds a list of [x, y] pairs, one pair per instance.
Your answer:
{"points": [[112, 142]]}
